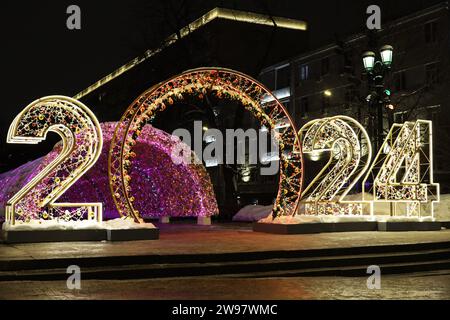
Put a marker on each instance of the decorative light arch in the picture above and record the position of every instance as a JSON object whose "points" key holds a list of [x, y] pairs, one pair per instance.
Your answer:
{"points": [[223, 83]]}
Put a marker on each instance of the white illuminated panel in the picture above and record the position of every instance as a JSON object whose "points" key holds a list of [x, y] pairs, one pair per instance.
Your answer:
{"points": [[279, 94]]}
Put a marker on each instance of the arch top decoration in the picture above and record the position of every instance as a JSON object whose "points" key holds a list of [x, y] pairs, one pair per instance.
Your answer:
{"points": [[223, 84]]}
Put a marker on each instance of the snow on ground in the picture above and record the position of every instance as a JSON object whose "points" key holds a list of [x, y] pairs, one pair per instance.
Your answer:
{"points": [[252, 213], [340, 219], [116, 224], [382, 213], [442, 209]]}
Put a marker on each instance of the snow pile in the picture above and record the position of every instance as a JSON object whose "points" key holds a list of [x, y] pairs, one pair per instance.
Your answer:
{"points": [[125, 224], [299, 219], [382, 212], [252, 213], [442, 209], [50, 225], [403, 219]]}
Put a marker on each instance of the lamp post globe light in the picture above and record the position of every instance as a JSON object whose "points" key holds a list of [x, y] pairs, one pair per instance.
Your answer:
{"points": [[369, 60], [379, 96]]}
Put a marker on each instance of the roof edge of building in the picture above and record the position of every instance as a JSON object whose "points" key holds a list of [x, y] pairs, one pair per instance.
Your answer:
{"points": [[216, 13]]}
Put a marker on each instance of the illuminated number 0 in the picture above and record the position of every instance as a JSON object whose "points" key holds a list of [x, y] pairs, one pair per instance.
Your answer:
{"points": [[82, 144]]}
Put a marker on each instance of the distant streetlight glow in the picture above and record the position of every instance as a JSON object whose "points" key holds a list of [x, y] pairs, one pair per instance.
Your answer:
{"points": [[327, 93], [315, 156]]}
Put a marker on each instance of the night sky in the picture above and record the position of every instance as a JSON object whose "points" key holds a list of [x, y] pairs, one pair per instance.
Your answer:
{"points": [[41, 57]]}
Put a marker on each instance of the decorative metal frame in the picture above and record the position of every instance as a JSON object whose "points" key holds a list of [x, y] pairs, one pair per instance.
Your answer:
{"points": [[82, 144], [402, 173], [223, 83], [351, 153]]}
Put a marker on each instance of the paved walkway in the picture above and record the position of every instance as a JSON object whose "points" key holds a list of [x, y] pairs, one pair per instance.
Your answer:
{"points": [[191, 239], [434, 287]]}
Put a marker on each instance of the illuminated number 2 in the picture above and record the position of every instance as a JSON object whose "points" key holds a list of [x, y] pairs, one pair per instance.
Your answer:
{"points": [[351, 153], [402, 173], [82, 144]]}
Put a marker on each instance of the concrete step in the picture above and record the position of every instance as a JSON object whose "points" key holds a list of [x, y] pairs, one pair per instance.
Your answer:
{"points": [[359, 271], [355, 264], [113, 261]]}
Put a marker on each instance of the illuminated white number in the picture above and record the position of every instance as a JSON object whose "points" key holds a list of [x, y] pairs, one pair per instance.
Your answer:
{"points": [[82, 144], [351, 152], [402, 173]]}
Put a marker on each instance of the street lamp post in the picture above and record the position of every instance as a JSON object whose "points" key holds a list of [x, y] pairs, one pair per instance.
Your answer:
{"points": [[379, 96]]}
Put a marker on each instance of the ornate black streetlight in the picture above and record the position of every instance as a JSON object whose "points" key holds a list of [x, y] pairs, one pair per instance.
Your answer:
{"points": [[379, 96]]}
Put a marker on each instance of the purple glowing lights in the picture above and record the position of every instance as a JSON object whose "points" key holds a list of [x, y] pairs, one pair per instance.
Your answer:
{"points": [[160, 187]]}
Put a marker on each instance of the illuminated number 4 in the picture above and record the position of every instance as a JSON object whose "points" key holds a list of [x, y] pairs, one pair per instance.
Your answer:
{"points": [[402, 173]]}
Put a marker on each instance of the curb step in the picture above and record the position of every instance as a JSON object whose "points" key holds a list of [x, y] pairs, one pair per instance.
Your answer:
{"points": [[117, 261], [350, 265]]}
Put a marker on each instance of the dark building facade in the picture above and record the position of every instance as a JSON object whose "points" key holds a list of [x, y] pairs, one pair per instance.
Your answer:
{"points": [[332, 81], [239, 40]]}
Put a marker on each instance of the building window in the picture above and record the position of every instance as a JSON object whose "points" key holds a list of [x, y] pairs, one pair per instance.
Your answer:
{"points": [[400, 117], [304, 72], [400, 81], [325, 103], [432, 74], [304, 107], [431, 113], [283, 78], [351, 95], [287, 105], [431, 32], [268, 79], [325, 66]]}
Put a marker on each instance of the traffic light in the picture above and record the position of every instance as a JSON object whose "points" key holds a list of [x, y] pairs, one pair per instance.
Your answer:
{"points": [[387, 96]]}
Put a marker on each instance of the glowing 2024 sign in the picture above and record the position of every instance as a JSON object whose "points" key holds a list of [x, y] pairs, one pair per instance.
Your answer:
{"points": [[402, 173]]}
